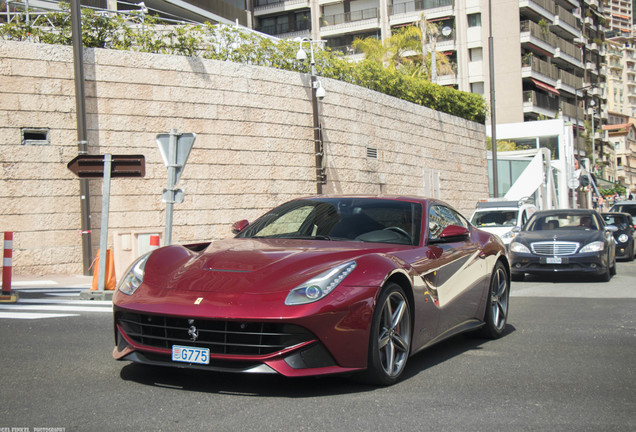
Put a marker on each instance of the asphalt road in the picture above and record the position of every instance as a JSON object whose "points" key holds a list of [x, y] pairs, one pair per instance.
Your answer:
{"points": [[567, 363]]}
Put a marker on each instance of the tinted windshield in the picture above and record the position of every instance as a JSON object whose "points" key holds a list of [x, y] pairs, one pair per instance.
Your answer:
{"points": [[625, 208], [359, 219], [619, 221], [495, 218], [563, 221]]}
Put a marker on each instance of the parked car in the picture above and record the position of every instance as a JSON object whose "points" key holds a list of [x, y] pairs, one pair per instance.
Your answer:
{"points": [[318, 285], [564, 240], [625, 235], [625, 207], [502, 217]]}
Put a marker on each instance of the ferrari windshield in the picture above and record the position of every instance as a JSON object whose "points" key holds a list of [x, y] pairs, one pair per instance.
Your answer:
{"points": [[354, 219]]}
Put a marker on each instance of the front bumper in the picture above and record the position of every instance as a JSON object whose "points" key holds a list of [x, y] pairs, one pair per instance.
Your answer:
{"points": [[623, 250], [316, 339], [593, 263]]}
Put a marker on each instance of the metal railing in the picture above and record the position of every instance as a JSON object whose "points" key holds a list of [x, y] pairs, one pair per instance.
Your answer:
{"points": [[418, 5], [348, 17], [541, 100], [538, 32], [565, 16]]}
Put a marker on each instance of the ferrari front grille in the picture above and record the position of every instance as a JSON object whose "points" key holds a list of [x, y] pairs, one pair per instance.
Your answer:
{"points": [[221, 337], [554, 248]]}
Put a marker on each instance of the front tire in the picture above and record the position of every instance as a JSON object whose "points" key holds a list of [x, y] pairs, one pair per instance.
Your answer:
{"points": [[496, 315], [390, 340]]}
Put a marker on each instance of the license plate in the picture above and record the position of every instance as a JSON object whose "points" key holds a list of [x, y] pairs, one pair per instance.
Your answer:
{"points": [[188, 354], [554, 260]]}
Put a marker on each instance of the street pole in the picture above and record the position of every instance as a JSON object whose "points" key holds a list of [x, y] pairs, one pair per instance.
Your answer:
{"points": [[82, 144], [493, 118], [172, 174], [103, 236]]}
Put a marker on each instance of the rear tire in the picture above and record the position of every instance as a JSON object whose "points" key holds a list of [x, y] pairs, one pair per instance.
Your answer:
{"points": [[496, 314], [390, 339]]}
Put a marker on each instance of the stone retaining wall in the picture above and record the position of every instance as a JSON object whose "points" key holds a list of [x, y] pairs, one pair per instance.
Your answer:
{"points": [[254, 147]]}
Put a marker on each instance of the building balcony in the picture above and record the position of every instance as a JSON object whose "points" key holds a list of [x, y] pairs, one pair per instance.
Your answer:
{"points": [[534, 67], [533, 37], [567, 55], [569, 110], [357, 21], [266, 7], [539, 104], [565, 23], [419, 6], [537, 9]]}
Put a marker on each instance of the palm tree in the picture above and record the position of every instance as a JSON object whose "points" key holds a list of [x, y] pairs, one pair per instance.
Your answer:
{"points": [[405, 51]]}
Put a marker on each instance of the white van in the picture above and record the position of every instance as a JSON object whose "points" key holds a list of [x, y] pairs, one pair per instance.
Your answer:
{"points": [[500, 217]]}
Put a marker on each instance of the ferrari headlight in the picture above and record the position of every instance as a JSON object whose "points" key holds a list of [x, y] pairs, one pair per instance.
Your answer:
{"points": [[318, 287], [596, 246], [623, 238], [518, 247], [134, 276]]}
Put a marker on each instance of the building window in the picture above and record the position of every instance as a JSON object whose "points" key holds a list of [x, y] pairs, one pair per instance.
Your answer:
{"points": [[474, 20], [476, 54], [477, 87]]}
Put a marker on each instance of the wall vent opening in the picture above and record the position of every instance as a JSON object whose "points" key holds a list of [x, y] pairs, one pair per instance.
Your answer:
{"points": [[372, 152], [35, 136]]}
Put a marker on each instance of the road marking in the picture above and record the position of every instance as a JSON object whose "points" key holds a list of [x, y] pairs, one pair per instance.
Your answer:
{"points": [[27, 315], [60, 308], [69, 302], [32, 283]]}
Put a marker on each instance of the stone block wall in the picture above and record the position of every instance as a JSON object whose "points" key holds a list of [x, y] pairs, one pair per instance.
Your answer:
{"points": [[254, 147]]}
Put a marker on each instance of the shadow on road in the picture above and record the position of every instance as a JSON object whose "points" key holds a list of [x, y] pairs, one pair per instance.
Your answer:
{"points": [[278, 386]]}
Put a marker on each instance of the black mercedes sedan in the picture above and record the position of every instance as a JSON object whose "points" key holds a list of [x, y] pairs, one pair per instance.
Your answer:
{"points": [[564, 240], [625, 234]]}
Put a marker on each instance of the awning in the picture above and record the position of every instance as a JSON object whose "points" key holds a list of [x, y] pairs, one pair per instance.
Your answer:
{"points": [[545, 87]]}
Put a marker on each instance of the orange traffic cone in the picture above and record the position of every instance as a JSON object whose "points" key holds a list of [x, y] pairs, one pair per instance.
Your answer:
{"points": [[110, 280]]}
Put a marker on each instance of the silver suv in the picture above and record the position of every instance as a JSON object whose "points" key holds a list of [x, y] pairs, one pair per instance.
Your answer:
{"points": [[625, 207]]}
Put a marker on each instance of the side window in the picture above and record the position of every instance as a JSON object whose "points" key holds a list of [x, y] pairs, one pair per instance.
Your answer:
{"points": [[439, 217]]}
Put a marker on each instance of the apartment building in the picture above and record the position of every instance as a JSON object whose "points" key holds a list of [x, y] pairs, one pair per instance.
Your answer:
{"points": [[619, 16], [622, 137], [547, 53]]}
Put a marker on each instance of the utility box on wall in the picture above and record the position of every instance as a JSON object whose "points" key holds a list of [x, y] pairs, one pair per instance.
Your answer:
{"points": [[128, 245]]}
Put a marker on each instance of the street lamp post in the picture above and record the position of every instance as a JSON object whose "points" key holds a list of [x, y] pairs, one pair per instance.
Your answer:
{"points": [[317, 92], [493, 118], [576, 120]]}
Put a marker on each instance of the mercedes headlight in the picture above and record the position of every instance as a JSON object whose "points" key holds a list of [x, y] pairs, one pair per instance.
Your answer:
{"points": [[320, 286], [596, 246], [134, 276], [519, 247]]}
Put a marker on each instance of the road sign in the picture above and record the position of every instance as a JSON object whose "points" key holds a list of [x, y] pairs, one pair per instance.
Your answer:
{"points": [[175, 149], [175, 196], [92, 166], [178, 159]]}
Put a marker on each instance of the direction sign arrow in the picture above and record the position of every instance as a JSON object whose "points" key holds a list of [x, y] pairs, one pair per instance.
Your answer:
{"points": [[92, 166]]}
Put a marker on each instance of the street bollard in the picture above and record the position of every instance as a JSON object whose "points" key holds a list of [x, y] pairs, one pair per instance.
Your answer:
{"points": [[6, 269]]}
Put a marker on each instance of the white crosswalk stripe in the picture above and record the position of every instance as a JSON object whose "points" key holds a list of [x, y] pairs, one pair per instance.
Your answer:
{"points": [[55, 307]]}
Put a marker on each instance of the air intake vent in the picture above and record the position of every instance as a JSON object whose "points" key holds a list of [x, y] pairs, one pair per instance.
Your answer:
{"points": [[372, 152]]}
